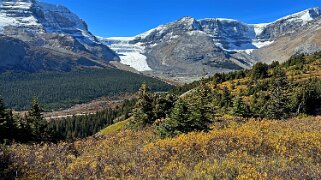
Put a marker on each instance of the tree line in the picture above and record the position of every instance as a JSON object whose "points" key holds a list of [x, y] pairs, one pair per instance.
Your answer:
{"points": [[32, 126], [57, 90], [269, 93]]}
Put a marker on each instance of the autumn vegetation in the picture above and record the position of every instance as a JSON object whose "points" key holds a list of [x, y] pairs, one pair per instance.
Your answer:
{"points": [[233, 149], [262, 123]]}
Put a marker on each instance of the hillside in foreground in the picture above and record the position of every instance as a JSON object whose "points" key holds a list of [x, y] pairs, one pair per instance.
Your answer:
{"points": [[237, 148], [261, 123]]}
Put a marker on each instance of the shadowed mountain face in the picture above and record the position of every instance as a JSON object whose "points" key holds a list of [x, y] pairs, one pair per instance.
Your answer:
{"points": [[191, 47], [46, 37]]}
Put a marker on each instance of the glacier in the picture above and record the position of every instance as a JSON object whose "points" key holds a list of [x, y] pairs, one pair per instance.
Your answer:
{"points": [[129, 54], [232, 36]]}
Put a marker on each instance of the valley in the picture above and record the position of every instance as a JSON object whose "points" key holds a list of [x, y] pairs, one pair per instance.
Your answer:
{"points": [[196, 97], [84, 109], [60, 90]]}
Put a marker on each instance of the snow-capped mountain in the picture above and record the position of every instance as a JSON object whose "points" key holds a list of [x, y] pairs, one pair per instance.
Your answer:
{"points": [[196, 47], [37, 36], [50, 38]]}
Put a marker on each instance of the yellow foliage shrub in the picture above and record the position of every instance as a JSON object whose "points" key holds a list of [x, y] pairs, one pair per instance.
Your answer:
{"points": [[248, 150]]}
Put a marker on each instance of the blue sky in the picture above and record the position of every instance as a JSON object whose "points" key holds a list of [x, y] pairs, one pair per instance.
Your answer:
{"points": [[130, 17]]}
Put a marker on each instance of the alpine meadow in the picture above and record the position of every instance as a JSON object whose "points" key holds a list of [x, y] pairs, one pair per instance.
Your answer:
{"points": [[196, 98]]}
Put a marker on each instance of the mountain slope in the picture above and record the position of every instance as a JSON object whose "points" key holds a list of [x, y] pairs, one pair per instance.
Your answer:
{"points": [[191, 47], [49, 37]]}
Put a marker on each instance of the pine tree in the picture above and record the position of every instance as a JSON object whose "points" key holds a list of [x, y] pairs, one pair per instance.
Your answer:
{"points": [[309, 97], [259, 71], [184, 118], [201, 111], [3, 121], [177, 122], [226, 98], [162, 106], [143, 112], [239, 108], [277, 105], [258, 105], [35, 119]]}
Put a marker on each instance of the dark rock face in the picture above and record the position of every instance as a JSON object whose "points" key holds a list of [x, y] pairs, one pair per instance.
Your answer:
{"points": [[12, 51], [224, 30], [54, 38], [18, 55]]}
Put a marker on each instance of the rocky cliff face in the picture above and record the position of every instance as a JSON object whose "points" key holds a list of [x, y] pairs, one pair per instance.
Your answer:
{"points": [[197, 47], [54, 38]]}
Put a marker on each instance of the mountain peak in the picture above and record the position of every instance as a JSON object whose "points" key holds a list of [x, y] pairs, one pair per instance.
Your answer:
{"points": [[50, 33], [187, 19], [304, 16], [188, 23]]}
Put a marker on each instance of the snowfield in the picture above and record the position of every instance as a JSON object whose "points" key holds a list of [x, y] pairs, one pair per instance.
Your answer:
{"points": [[129, 54]]}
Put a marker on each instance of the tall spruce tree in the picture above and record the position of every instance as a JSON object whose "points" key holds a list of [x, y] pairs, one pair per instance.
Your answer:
{"points": [[143, 112], [309, 97], [239, 108], [3, 121], [259, 71], [277, 105], [226, 98], [177, 122], [35, 119], [184, 118]]}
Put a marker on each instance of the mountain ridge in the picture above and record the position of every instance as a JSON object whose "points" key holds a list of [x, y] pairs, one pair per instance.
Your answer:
{"points": [[230, 43], [54, 37]]}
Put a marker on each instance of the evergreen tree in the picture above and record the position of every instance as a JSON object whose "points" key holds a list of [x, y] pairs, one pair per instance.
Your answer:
{"points": [[226, 98], [239, 108], [258, 105], [143, 112], [201, 110], [185, 118], [162, 106], [259, 71], [177, 122], [277, 105], [3, 121], [35, 120], [308, 97]]}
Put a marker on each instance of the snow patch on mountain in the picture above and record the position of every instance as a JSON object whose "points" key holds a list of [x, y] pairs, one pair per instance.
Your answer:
{"points": [[260, 44], [258, 28], [41, 17], [9, 8], [196, 33], [305, 16], [130, 54], [160, 29]]}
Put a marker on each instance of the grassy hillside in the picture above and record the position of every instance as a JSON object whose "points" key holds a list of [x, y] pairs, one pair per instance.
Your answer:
{"points": [[298, 69], [233, 149], [64, 89], [302, 74], [261, 123], [117, 127]]}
